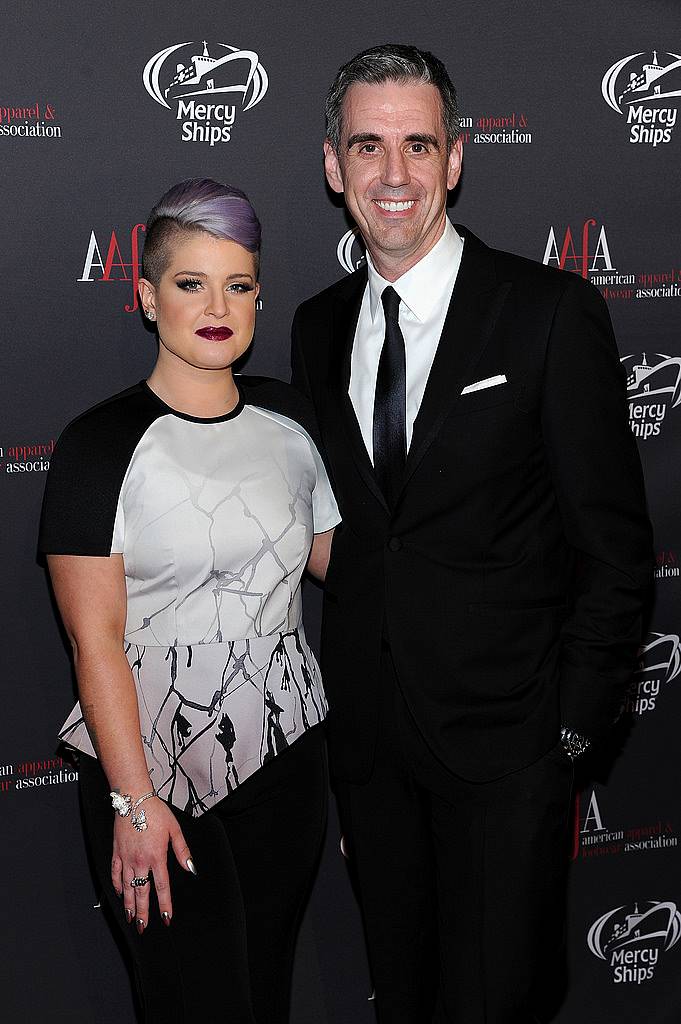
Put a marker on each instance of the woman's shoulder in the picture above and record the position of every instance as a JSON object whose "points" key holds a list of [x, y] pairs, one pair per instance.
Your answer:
{"points": [[86, 471], [276, 396], [126, 407], [106, 434]]}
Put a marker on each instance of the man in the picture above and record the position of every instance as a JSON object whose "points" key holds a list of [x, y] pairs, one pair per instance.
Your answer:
{"points": [[483, 602]]}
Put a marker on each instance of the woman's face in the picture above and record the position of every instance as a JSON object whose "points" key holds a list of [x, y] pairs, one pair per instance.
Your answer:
{"points": [[204, 304]]}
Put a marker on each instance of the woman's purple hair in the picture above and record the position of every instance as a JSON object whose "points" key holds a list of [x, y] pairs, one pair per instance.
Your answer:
{"points": [[198, 204]]}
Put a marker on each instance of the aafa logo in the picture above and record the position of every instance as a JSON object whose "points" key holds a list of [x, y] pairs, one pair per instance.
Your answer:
{"points": [[351, 252], [659, 662], [652, 389], [206, 90], [593, 839], [631, 940], [114, 267], [637, 90], [592, 256], [585, 250]]}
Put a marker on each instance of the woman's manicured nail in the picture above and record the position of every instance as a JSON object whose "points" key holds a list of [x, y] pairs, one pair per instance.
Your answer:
{"points": [[118, 893], [140, 926], [166, 918], [190, 866], [129, 914]]}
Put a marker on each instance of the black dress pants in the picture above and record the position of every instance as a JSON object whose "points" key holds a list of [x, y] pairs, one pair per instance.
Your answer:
{"points": [[462, 885], [227, 957]]}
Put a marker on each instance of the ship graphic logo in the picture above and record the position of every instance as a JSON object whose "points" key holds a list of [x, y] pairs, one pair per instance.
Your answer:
{"points": [[645, 380], [659, 925], [350, 251], [646, 82], [229, 71], [660, 655]]}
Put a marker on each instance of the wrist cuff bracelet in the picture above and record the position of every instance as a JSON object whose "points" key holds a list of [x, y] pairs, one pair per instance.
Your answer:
{"points": [[123, 806]]}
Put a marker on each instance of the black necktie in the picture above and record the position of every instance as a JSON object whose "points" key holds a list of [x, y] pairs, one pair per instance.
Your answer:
{"points": [[390, 402]]}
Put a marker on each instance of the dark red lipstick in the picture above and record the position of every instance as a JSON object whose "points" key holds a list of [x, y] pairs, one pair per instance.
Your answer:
{"points": [[215, 333]]}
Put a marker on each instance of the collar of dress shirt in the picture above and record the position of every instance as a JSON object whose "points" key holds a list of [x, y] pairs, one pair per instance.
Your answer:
{"points": [[422, 287]]}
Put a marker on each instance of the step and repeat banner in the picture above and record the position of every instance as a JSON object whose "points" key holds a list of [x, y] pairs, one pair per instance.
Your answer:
{"points": [[572, 154]]}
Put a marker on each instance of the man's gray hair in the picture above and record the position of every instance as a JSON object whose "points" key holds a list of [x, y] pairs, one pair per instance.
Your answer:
{"points": [[392, 62]]}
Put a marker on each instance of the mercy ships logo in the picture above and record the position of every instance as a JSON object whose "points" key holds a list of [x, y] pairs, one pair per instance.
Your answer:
{"points": [[206, 91], [631, 942], [350, 251], [639, 91], [653, 388], [659, 661]]}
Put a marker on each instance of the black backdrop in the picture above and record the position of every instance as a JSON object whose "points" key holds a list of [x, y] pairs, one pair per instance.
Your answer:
{"points": [[568, 158]]}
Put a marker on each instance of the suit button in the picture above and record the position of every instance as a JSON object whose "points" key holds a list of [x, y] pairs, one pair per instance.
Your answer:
{"points": [[394, 544]]}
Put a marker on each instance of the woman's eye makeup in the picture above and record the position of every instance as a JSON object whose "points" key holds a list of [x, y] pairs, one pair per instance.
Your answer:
{"points": [[192, 284]]}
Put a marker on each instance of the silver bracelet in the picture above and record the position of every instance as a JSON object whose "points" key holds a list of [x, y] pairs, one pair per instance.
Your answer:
{"points": [[123, 806], [574, 743]]}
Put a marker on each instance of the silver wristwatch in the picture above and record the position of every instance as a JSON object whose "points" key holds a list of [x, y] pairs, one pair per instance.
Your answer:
{"points": [[574, 744]]}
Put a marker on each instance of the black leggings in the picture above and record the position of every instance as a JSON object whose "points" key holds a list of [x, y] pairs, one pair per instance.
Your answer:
{"points": [[227, 957]]}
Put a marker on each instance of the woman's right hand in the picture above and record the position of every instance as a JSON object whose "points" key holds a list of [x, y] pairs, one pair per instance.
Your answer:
{"points": [[136, 854], [92, 598]]}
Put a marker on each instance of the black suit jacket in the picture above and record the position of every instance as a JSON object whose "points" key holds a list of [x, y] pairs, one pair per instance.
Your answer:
{"points": [[510, 577]]}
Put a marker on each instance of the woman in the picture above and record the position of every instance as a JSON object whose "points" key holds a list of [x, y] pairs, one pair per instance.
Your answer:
{"points": [[179, 517]]}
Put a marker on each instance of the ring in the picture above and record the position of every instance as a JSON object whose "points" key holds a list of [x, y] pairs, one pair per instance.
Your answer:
{"points": [[140, 881]]}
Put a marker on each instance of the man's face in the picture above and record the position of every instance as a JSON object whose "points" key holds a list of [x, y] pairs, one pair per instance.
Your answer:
{"points": [[394, 169]]}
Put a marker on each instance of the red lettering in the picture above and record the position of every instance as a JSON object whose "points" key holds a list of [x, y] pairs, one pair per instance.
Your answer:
{"points": [[135, 262], [111, 262], [585, 247], [568, 244]]}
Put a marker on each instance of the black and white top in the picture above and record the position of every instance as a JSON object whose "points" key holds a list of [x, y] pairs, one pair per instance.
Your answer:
{"points": [[214, 518]]}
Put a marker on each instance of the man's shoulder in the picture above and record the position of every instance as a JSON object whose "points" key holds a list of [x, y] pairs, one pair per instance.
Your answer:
{"points": [[340, 291], [267, 392], [535, 278], [534, 274]]}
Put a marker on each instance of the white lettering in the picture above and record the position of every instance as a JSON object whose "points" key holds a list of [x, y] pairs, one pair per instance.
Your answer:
{"points": [[551, 250], [192, 111], [593, 814], [602, 252], [90, 262]]}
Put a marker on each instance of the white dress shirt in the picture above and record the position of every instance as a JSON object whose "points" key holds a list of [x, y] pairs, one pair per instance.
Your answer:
{"points": [[425, 291]]}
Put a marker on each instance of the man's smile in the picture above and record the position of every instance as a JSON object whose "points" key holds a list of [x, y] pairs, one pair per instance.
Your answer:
{"points": [[392, 206]]}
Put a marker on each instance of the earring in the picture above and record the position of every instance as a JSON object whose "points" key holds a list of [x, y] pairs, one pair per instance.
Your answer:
{"points": [[149, 314]]}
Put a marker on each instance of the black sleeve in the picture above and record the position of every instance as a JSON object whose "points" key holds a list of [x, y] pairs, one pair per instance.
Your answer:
{"points": [[86, 472], [597, 477]]}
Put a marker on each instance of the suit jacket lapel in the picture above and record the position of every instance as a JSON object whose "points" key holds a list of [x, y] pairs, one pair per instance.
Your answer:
{"points": [[475, 306], [347, 305]]}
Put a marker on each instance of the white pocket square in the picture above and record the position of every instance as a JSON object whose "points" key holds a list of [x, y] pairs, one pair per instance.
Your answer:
{"points": [[488, 382]]}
